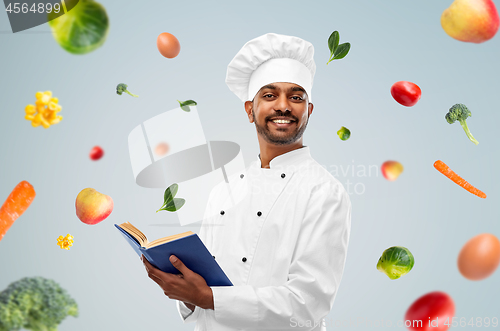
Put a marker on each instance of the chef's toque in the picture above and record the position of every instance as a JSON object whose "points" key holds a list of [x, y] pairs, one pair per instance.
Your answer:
{"points": [[271, 58]]}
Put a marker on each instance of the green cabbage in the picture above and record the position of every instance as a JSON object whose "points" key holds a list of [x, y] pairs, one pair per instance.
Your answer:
{"points": [[82, 29], [395, 262]]}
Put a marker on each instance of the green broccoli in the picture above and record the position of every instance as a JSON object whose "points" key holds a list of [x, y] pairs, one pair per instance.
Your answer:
{"points": [[123, 88], [460, 112], [36, 304]]}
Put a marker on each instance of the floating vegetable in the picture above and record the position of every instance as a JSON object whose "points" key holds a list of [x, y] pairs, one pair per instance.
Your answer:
{"points": [[185, 104], [445, 170], [169, 202], [395, 262], [65, 242], [16, 204], [337, 51], [344, 133], [36, 304], [120, 88], [406, 93], [45, 110], [81, 30], [96, 153], [433, 311], [460, 112], [168, 45]]}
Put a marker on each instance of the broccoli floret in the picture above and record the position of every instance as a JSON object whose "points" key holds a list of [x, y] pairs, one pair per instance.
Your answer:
{"points": [[36, 304], [123, 88], [460, 112]]}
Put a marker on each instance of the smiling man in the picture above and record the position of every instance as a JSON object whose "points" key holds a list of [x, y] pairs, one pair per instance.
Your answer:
{"points": [[284, 245], [280, 131]]}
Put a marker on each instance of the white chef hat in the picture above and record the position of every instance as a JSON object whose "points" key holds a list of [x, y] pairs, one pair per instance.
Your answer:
{"points": [[271, 58]]}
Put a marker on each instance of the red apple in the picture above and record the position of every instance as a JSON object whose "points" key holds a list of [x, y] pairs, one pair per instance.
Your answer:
{"points": [[93, 207], [473, 21], [391, 170]]}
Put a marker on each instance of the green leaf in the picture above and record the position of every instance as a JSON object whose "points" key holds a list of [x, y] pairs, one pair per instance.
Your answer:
{"points": [[333, 42], [341, 51], [170, 193], [189, 103], [185, 104], [174, 205]]}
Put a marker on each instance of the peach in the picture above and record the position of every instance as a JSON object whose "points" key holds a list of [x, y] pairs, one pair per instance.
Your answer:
{"points": [[473, 21], [391, 170], [93, 207]]}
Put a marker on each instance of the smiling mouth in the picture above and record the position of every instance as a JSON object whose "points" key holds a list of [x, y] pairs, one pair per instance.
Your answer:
{"points": [[281, 121]]}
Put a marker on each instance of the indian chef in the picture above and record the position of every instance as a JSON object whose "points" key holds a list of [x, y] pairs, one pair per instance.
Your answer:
{"points": [[284, 245]]}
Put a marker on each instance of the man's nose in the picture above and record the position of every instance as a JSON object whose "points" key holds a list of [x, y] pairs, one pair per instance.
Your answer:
{"points": [[282, 103]]}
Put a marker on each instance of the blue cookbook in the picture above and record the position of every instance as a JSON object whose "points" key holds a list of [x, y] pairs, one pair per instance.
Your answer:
{"points": [[186, 246]]}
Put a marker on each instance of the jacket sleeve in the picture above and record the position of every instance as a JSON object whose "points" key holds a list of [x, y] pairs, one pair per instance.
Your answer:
{"points": [[314, 276], [187, 315]]}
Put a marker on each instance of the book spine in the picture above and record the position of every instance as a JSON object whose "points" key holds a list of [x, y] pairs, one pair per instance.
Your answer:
{"points": [[150, 259]]}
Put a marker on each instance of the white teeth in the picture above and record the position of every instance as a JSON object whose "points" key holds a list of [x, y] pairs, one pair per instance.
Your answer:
{"points": [[281, 121]]}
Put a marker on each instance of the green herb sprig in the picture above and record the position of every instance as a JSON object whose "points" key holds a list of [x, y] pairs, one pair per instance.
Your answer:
{"points": [[185, 104], [170, 203], [337, 51]]}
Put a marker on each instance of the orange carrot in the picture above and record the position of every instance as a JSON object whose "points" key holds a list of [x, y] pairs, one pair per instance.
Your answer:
{"points": [[16, 204], [445, 170]]}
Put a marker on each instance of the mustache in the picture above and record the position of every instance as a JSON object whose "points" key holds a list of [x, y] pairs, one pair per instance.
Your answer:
{"points": [[280, 114]]}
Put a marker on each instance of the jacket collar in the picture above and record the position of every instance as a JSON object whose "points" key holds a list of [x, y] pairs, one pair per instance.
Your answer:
{"points": [[288, 159]]}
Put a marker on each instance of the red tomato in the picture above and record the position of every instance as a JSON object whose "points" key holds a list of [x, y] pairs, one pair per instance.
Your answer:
{"points": [[406, 93], [438, 306], [96, 153]]}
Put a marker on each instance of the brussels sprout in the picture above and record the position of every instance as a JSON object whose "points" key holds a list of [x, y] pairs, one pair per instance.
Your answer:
{"points": [[344, 133], [82, 29], [395, 262]]}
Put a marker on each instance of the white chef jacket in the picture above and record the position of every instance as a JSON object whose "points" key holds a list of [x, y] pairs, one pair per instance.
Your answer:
{"points": [[283, 246]]}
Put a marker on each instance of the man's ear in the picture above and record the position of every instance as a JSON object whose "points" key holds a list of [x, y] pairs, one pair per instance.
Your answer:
{"points": [[310, 108], [248, 109]]}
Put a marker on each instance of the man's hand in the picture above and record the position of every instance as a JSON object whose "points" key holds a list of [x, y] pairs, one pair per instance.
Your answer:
{"points": [[188, 286]]}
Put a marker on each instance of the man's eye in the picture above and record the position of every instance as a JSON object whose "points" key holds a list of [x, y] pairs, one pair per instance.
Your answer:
{"points": [[268, 95], [297, 98]]}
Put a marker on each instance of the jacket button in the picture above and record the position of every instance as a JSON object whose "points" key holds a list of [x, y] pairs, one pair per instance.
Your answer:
{"points": [[241, 176], [259, 213], [244, 259], [213, 256], [282, 175], [222, 212]]}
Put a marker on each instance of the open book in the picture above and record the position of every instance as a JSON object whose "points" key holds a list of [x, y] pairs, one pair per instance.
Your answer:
{"points": [[187, 246]]}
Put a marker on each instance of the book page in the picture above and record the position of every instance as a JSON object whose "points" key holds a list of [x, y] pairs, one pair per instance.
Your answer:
{"points": [[134, 232], [167, 239]]}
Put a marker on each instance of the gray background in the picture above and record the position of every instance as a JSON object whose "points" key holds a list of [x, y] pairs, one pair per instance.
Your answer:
{"points": [[391, 40]]}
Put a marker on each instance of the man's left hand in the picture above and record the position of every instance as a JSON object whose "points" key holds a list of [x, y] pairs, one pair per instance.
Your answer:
{"points": [[188, 286]]}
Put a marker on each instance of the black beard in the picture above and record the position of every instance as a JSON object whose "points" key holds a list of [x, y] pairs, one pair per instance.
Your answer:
{"points": [[281, 139]]}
